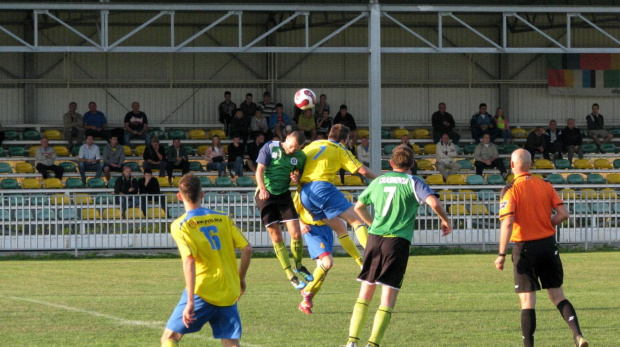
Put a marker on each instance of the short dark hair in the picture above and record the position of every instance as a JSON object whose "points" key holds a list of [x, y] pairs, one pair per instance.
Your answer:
{"points": [[322, 95], [402, 157], [258, 110], [595, 104], [266, 94], [279, 105], [190, 187], [248, 94], [73, 103], [482, 105], [227, 93], [441, 103], [148, 171], [343, 107], [298, 136], [176, 138], [113, 136], [339, 132], [155, 139]]}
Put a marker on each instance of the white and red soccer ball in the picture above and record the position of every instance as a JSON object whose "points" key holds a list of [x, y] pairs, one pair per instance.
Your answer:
{"points": [[305, 99]]}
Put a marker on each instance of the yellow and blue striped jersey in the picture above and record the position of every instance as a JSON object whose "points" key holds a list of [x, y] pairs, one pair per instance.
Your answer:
{"points": [[324, 158], [211, 238]]}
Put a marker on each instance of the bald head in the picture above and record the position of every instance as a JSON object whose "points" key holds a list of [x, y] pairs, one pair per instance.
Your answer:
{"points": [[520, 161]]}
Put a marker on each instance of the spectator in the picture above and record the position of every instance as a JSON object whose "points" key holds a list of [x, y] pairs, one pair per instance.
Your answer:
{"points": [[240, 125], [259, 125], [253, 149], [2, 135], [596, 127], [214, 156], [113, 157], [351, 148], [73, 125], [177, 159], [404, 140], [226, 110], [554, 140], [235, 157], [267, 106], [446, 152], [537, 143], [248, 106], [155, 157], [363, 151], [147, 187], [324, 124], [136, 125], [45, 156], [346, 119], [486, 155], [280, 122], [320, 107], [95, 122], [502, 125], [482, 123], [307, 125], [443, 123], [572, 140], [89, 158], [126, 185]]}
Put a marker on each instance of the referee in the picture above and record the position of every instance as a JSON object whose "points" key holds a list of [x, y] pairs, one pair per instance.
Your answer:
{"points": [[525, 207]]}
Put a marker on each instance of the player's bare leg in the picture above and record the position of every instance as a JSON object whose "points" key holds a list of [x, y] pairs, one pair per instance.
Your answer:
{"points": [[282, 254], [297, 248], [170, 339], [231, 343]]}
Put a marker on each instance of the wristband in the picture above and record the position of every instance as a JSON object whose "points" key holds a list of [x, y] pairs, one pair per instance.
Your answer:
{"points": [[501, 254]]}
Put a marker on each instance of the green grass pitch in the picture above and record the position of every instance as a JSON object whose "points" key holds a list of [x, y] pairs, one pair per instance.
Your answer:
{"points": [[447, 300]]}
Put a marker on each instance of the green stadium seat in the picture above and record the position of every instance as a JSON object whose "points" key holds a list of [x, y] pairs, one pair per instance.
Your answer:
{"points": [[233, 197], [580, 208], [609, 148], [385, 165], [31, 135], [195, 166], [245, 181], [68, 213], [223, 182], [465, 164], [617, 207], [385, 134], [469, 148], [562, 164], [495, 179], [74, 183], [596, 179], [485, 194], [112, 181], [189, 149], [245, 212], [158, 133], [206, 181], [2, 152], [46, 214], [68, 166], [213, 198], [615, 132], [617, 164], [23, 215], [175, 212], [9, 183], [176, 133], [104, 199], [5, 214], [75, 151], [133, 166], [601, 207], [95, 183], [388, 149], [5, 168], [17, 200], [101, 150], [509, 148], [574, 179], [556, 179], [39, 199], [589, 148], [11, 135], [506, 162], [17, 151], [475, 180]]}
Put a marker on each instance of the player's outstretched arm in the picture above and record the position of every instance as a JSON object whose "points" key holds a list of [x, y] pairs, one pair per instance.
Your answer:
{"points": [[437, 206], [366, 172], [504, 238], [362, 211], [189, 272], [561, 214], [246, 255]]}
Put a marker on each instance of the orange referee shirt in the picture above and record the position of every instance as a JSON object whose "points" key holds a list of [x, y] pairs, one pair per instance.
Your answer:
{"points": [[530, 200]]}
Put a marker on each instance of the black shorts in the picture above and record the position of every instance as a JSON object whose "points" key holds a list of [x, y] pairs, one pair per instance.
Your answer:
{"points": [[534, 260], [277, 208], [385, 261]]}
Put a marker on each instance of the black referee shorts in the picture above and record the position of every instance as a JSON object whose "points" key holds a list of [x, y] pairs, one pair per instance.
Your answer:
{"points": [[385, 261], [537, 260], [277, 208]]}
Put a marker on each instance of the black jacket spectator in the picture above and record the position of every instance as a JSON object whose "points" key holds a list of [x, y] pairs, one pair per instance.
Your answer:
{"points": [[122, 185], [150, 154], [571, 137]]}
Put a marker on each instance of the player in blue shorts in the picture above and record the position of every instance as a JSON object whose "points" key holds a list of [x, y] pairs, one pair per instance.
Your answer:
{"points": [[213, 283]]}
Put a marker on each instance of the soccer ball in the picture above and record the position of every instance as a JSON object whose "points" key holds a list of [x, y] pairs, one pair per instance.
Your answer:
{"points": [[305, 99]]}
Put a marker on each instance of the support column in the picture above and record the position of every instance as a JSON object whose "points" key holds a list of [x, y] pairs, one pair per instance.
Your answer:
{"points": [[374, 85], [30, 99], [504, 89]]}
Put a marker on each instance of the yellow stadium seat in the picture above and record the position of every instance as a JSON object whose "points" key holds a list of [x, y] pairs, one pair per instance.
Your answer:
{"points": [[52, 134], [582, 164], [398, 133], [455, 179], [447, 195], [197, 134], [60, 199], [202, 149], [467, 195], [61, 151], [424, 165], [140, 150], [510, 178], [112, 213], [31, 183], [434, 179], [347, 195], [353, 181], [33, 150], [416, 149], [458, 210], [336, 181], [588, 193], [83, 199], [430, 148], [134, 213], [52, 183], [518, 132], [163, 182], [543, 164], [127, 150], [90, 214], [568, 193], [176, 180], [421, 134], [155, 212], [602, 164], [363, 133], [171, 198], [24, 168], [478, 209], [607, 193], [539, 176], [613, 178], [219, 132]]}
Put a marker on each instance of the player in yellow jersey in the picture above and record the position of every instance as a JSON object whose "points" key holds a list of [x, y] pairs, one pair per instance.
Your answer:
{"points": [[324, 158], [213, 283]]}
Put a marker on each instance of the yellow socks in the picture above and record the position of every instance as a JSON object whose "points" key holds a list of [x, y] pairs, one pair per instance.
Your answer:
{"points": [[319, 276], [348, 245], [382, 320], [170, 343], [361, 232], [282, 254], [360, 311], [297, 248]]}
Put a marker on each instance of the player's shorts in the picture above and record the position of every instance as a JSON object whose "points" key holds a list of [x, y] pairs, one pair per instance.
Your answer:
{"points": [[534, 260], [320, 240], [323, 200], [277, 208], [224, 320], [385, 261]]}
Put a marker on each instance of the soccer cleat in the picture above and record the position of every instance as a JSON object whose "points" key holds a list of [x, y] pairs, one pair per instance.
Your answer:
{"points": [[305, 308], [307, 298], [351, 344], [304, 272], [299, 285], [581, 342]]}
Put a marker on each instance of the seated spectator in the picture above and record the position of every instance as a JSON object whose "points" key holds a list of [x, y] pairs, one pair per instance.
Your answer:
{"points": [[240, 125], [502, 125], [45, 157], [259, 125], [404, 141], [126, 187], [113, 157], [445, 153], [155, 157], [345, 118], [320, 107], [486, 155], [89, 158], [226, 109], [280, 122], [253, 149], [215, 157], [73, 125], [554, 140], [537, 143], [136, 125], [267, 106], [177, 159], [482, 123], [363, 151], [95, 122], [248, 107], [324, 124], [443, 123], [307, 125], [596, 126], [2, 134], [235, 157], [148, 188], [572, 140]]}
